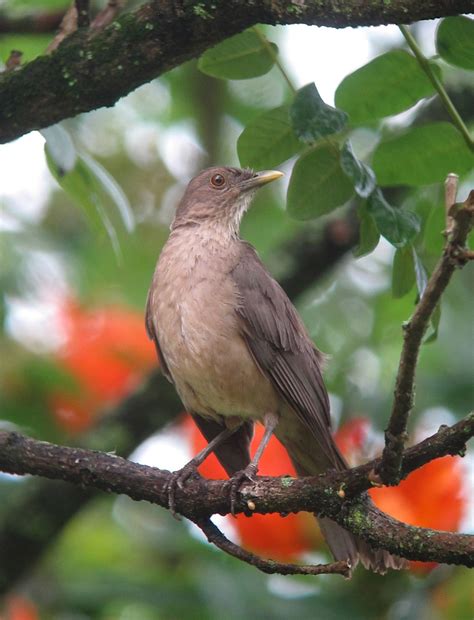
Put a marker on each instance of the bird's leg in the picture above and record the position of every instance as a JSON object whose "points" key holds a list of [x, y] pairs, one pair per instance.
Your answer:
{"points": [[179, 477], [270, 421]]}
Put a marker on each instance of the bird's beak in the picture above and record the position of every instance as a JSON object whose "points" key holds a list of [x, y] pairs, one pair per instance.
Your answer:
{"points": [[261, 178]]}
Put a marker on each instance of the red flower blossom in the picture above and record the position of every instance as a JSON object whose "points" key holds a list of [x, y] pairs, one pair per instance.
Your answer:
{"points": [[20, 608], [430, 497], [107, 352]]}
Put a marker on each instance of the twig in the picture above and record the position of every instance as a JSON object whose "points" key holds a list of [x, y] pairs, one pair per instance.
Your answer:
{"points": [[395, 435], [67, 26], [217, 538], [450, 193], [82, 9], [200, 499], [449, 440], [439, 86], [108, 14], [274, 56], [14, 60]]}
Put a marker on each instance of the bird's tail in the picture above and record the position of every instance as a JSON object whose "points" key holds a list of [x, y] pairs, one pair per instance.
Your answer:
{"points": [[310, 461], [344, 545]]}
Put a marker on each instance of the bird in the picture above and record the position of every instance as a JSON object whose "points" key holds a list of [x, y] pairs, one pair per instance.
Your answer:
{"points": [[232, 343]]}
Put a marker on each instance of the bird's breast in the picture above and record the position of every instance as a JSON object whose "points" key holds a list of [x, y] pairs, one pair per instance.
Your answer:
{"points": [[193, 304]]}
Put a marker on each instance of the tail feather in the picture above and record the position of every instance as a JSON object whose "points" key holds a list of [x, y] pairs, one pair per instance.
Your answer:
{"points": [[309, 461], [346, 546], [342, 543]]}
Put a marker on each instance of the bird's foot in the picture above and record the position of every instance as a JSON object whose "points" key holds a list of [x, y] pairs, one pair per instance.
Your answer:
{"points": [[238, 479], [177, 481]]}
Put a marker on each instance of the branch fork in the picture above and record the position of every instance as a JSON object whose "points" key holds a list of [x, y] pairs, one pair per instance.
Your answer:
{"points": [[459, 222]]}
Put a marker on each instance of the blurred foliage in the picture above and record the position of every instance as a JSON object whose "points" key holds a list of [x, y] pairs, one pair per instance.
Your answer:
{"points": [[120, 560]]}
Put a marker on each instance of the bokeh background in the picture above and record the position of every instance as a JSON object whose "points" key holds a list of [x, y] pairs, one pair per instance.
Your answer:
{"points": [[73, 347]]}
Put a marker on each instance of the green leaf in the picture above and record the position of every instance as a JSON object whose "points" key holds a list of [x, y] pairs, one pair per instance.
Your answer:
{"points": [[60, 147], [387, 85], [433, 239], [362, 176], [455, 41], [398, 226], [422, 155], [421, 283], [312, 118], [79, 186], [369, 235], [317, 184], [268, 140], [87, 184], [246, 55], [110, 187], [403, 272], [420, 273], [432, 332]]}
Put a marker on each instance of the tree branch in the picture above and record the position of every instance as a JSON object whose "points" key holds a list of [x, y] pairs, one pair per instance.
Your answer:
{"points": [[96, 68], [334, 494], [462, 218], [217, 538]]}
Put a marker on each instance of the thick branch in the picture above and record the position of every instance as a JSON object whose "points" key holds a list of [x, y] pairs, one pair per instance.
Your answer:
{"points": [[95, 69], [200, 498], [453, 256]]}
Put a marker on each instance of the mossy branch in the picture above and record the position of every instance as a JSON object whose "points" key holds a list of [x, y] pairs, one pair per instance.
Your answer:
{"points": [[94, 68], [202, 498]]}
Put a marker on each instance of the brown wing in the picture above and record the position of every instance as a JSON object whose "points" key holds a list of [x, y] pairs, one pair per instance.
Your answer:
{"points": [[152, 335], [278, 342], [234, 453]]}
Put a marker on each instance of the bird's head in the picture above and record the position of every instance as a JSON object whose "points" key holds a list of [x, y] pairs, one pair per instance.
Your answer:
{"points": [[220, 196]]}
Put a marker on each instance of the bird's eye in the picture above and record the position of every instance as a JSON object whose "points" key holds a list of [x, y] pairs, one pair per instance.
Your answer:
{"points": [[217, 180]]}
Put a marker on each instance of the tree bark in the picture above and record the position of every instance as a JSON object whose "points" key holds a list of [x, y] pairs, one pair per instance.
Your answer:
{"points": [[338, 495], [94, 68]]}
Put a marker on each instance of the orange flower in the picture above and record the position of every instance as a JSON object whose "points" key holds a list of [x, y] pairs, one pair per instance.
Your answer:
{"points": [[351, 439], [107, 352], [430, 497], [20, 608]]}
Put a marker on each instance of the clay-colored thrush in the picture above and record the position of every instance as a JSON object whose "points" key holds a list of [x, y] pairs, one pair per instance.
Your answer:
{"points": [[234, 346]]}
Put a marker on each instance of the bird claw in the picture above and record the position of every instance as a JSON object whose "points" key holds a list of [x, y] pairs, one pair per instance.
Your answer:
{"points": [[237, 480], [177, 481]]}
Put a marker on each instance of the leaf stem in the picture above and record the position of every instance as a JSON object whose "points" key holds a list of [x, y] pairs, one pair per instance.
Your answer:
{"points": [[274, 56], [446, 100]]}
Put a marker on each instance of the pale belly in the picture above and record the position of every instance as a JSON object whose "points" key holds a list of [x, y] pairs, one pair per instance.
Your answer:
{"points": [[199, 337]]}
